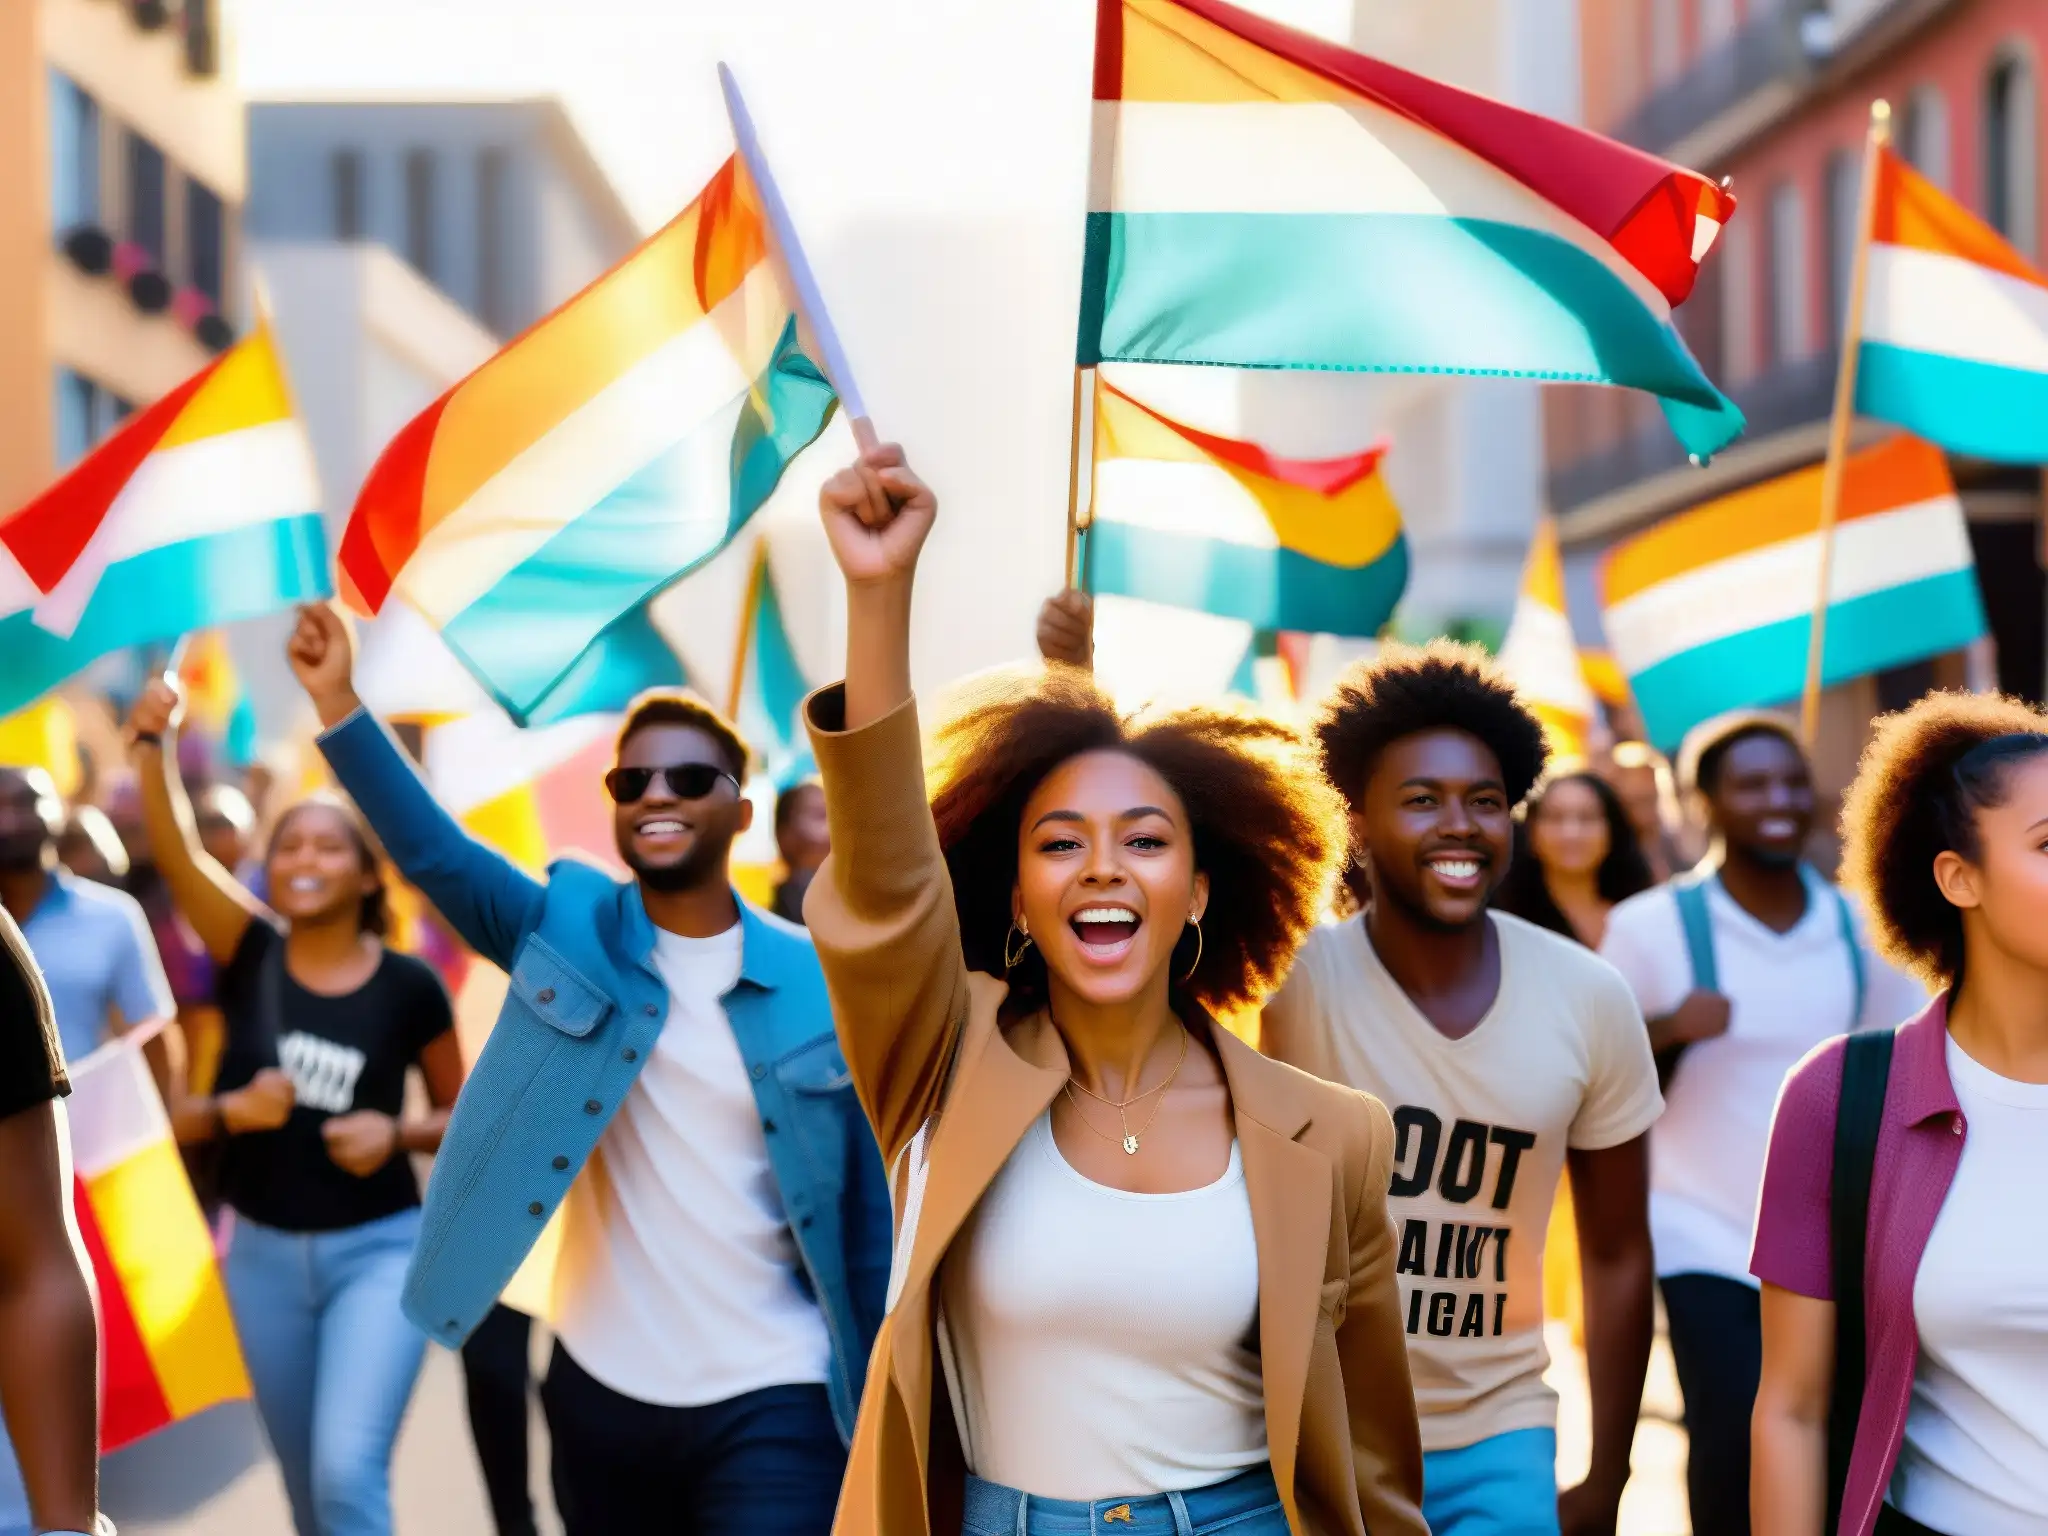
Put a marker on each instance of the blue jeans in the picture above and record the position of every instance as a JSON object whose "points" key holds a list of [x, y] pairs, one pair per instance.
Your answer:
{"points": [[1247, 1505], [1502, 1486], [765, 1463], [333, 1361]]}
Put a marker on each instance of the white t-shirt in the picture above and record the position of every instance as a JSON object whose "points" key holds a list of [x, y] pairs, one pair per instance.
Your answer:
{"points": [[1975, 1459], [1099, 1344], [1787, 993], [678, 1280], [1482, 1124]]}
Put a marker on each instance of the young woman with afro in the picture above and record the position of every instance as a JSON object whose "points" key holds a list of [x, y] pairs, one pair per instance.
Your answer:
{"points": [[1145, 1276], [1946, 843]]}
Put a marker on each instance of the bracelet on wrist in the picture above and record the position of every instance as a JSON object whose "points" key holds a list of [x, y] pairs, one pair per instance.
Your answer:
{"points": [[148, 739]]}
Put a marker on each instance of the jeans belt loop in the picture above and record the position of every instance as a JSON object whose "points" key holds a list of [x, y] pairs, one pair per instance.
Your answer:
{"points": [[1182, 1525]]}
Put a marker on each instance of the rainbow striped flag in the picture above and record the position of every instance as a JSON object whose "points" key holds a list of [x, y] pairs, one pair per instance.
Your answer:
{"points": [[1540, 654], [1955, 325], [1194, 520], [1261, 198], [203, 509], [606, 452], [769, 682], [167, 1343], [1713, 610]]}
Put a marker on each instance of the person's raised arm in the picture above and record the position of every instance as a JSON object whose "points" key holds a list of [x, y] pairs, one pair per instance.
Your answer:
{"points": [[877, 515], [880, 909], [1066, 628], [211, 899], [485, 897]]}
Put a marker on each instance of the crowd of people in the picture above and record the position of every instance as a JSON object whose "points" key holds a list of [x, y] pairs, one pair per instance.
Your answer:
{"points": [[1160, 1122]]}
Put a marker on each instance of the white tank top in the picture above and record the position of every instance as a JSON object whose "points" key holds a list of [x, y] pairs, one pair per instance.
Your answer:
{"points": [[1100, 1344]]}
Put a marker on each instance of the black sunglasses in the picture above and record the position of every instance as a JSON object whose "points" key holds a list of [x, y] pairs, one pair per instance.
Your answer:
{"points": [[686, 781]]}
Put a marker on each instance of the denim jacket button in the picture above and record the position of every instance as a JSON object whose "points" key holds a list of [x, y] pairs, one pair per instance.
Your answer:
{"points": [[759, 1072], [561, 1163], [591, 1106], [650, 1010], [629, 1054], [535, 1209], [544, 996]]}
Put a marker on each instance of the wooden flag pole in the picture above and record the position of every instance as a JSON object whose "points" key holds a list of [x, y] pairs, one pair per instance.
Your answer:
{"points": [[1843, 419], [1075, 525], [749, 606]]}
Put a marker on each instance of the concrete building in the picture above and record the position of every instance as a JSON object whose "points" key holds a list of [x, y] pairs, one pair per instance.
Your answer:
{"points": [[1776, 94], [498, 204], [121, 187]]}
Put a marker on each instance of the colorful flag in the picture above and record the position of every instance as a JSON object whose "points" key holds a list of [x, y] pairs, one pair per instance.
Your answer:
{"points": [[769, 686], [1191, 519], [44, 735], [201, 510], [628, 658], [167, 1343], [1955, 325], [613, 447], [1540, 655], [1713, 610], [1261, 198]]}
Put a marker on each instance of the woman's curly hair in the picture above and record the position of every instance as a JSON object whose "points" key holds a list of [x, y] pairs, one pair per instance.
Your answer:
{"points": [[1926, 773], [1268, 831]]}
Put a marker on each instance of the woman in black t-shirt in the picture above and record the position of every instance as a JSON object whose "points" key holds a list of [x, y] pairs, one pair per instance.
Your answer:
{"points": [[322, 1023]]}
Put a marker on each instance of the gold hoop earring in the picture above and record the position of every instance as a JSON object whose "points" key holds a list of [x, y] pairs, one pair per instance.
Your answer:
{"points": [[1012, 960], [1196, 964]]}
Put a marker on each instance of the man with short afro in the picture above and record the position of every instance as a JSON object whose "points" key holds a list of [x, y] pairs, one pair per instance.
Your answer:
{"points": [[1505, 1051]]}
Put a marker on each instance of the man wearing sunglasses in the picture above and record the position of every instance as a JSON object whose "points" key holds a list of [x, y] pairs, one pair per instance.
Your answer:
{"points": [[664, 1072]]}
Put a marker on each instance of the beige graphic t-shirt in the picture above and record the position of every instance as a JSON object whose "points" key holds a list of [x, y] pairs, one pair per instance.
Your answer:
{"points": [[1561, 1060]]}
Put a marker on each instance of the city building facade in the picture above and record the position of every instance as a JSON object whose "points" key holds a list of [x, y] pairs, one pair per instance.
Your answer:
{"points": [[122, 179], [498, 204], [1776, 95]]}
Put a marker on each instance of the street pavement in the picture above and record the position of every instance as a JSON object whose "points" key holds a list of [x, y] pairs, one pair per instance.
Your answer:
{"points": [[214, 1477]]}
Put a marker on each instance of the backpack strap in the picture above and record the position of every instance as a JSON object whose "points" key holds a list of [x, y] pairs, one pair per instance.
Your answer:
{"points": [[1866, 1073], [1689, 890]]}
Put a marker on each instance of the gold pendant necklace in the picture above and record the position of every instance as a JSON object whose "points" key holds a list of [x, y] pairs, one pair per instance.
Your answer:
{"points": [[1130, 1137]]}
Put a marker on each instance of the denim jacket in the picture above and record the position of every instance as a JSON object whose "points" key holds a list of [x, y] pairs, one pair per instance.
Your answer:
{"points": [[584, 1008]]}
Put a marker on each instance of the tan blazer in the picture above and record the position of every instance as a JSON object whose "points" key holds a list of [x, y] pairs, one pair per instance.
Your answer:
{"points": [[918, 1029]]}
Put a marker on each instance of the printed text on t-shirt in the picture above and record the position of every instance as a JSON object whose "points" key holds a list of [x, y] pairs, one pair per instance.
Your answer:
{"points": [[1458, 1251], [323, 1074]]}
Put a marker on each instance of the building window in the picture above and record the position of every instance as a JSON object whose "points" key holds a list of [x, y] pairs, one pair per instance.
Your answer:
{"points": [[1789, 337], [146, 225], [1845, 205], [419, 211], [205, 239], [1667, 45], [1923, 134], [1736, 261], [2011, 165], [85, 414], [345, 185], [490, 236], [74, 155], [74, 417]]}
